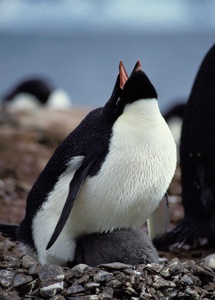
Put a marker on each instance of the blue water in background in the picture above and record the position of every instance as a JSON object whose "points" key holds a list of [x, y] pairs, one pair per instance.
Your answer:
{"points": [[86, 65]]}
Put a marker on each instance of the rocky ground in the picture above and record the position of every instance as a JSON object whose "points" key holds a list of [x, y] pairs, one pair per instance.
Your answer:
{"points": [[26, 144]]}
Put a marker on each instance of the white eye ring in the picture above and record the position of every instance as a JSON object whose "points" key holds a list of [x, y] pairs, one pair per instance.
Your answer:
{"points": [[117, 101]]}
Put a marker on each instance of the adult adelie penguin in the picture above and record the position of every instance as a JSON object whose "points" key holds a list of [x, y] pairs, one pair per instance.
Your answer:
{"points": [[35, 92], [197, 163], [110, 173]]}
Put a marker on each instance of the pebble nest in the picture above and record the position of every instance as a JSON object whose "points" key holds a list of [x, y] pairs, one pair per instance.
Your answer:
{"points": [[25, 278], [24, 150]]}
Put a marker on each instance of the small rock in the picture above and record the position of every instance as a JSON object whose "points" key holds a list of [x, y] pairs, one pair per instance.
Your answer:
{"points": [[154, 267], [165, 272], [129, 271], [121, 277], [159, 295], [58, 297], [107, 290], [152, 292], [204, 275], [210, 286], [81, 268], [102, 276], [83, 279], [6, 277], [104, 296], [6, 295], [192, 293], [51, 272], [175, 268], [49, 289], [75, 289], [159, 282], [196, 280], [186, 280], [114, 284], [10, 262], [171, 294], [91, 285], [28, 261], [34, 269], [130, 291], [21, 279], [210, 261], [135, 279], [90, 297], [116, 266], [181, 295]]}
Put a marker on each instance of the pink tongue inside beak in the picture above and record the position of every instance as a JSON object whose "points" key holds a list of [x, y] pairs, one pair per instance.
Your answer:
{"points": [[123, 75]]}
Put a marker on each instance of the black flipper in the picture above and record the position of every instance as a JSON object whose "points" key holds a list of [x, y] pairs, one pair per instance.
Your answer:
{"points": [[74, 188], [9, 230]]}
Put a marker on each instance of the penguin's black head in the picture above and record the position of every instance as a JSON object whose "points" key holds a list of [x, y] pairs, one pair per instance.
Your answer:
{"points": [[128, 90], [138, 86]]}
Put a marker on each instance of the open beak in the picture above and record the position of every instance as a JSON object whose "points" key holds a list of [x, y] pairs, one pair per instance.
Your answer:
{"points": [[123, 75]]}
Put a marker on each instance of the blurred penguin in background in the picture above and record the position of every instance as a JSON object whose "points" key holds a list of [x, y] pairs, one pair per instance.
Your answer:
{"points": [[33, 93], [174, 118], [197, 160]]}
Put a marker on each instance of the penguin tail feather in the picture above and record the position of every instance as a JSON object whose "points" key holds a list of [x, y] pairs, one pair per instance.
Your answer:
{"points": [[9, 230], [187, 234]]}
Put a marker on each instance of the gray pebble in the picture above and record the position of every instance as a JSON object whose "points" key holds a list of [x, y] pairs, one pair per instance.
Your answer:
{"points": [[175, 280], [10, 262], [130, 291], [210, 261], [58, 297], [21, 279], [80, 268], [116, 266], [91, 285], [83, 279], [49, 289], [51, 272], [6, 295], [165, 272], [186, 280], [159, 282], [102, 276], [34, 269], [74, 289], [28, 261], [154, 267], [90, 297], [104, 296], [114, 283], [6, 277]]}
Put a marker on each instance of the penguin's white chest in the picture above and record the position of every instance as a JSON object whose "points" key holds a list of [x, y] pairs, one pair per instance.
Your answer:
{"points": [[132, 180]]}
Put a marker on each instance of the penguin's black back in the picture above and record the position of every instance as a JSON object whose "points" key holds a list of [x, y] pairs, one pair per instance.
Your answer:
{"points": [[197, 153], [91, 139]]}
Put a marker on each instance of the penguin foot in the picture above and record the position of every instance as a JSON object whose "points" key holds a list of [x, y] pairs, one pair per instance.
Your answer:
{"points": [[188, 234]]}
